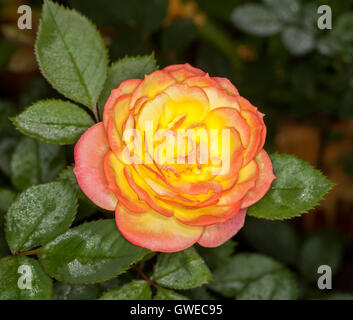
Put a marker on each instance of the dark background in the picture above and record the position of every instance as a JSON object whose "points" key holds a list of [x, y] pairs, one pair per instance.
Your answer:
{"points": [[301, 79]]}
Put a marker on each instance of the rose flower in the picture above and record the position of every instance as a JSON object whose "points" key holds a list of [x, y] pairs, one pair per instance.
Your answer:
{"points": [[179, 156]]}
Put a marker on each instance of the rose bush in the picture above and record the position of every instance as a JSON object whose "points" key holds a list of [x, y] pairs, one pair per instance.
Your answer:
{"points": [[167, 205]]}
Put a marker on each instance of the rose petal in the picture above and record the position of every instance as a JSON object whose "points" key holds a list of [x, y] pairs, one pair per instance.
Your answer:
{"points": [[89, 156], [227, 85], [114, 172], [206, 216], [189, 101], [224, 117], [256, 129], [141, 191], [215, 235], [220, 98], [246, 181], [126, 87], [154, 231], [201, 82], [153, 84], [186, 66]]}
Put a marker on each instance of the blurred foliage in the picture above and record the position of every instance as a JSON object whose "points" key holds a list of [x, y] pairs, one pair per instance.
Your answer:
{"points": [[273, 51]]}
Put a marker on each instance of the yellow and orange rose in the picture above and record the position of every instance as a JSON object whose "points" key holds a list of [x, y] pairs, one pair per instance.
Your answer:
{"points": [[163, 201]]}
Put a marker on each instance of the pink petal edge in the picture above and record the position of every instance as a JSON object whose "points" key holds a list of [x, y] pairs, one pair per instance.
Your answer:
{"points": [[217, 234], [89, 156]]}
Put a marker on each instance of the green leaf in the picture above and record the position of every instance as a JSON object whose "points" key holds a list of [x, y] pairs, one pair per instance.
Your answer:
{"points": [[200, 293], [286, 10], [40, 214], [325, 247], [256, 19], [90, 253], [54, 121], [298, 188], [165, 294], [279, 285], [278, 239], [86, 208], [181, 270], [329, 45], [71, 54], [298, 41], [250, 275], [41, 284], [125, 69], [35, 162], [216, 257], [65, 291], [135, 290], [117, 281]]}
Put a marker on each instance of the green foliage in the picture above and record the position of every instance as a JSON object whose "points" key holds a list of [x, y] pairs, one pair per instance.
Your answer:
{"points": [[35, 162], [90, 253], [200, 293], [278, 239], [279, 285], [254, 276], [124, 69], [68, 175], [41, 284], [54, 121], [39, 214], [181, 270], [77, 69], [65, 291], [216, 257], [297, 24], [297, 188], [286, 10], [256, 19], [6, 50], [298, 41], [135, 290]]}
